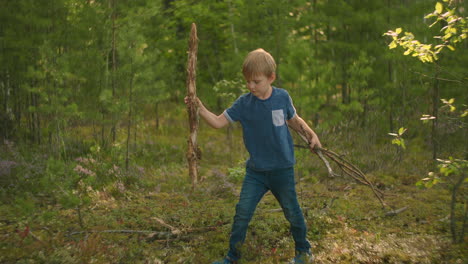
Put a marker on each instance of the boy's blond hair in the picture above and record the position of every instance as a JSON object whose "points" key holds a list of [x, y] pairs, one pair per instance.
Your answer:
{"points": [[258, 62]]}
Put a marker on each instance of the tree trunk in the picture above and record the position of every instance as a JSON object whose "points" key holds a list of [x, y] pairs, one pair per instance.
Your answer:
{"points": [[192, 151], [233, 32], [156, 110], [345, 92], [453, 219], [114, 68], [390, 107], [6, 92], [129, 121], [435, 113]]}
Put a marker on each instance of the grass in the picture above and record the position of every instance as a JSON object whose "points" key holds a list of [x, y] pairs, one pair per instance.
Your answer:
{"points": [[346, 223]]}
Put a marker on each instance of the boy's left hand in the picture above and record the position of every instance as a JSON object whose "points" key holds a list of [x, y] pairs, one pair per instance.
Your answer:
{"points": [[315, 144]]}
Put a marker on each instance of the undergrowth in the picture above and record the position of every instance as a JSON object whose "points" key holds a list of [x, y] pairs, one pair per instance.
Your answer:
{"points": [[48, 204]]}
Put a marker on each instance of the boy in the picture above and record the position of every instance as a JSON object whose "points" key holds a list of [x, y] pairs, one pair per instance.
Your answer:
{"points": [[265, 114]]}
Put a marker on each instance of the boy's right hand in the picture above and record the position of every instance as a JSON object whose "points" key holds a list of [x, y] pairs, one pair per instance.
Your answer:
{"points": [[212, 119], [196, 101]]}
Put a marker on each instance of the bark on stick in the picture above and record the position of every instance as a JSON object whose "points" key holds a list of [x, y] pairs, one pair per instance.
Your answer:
{"points": [[192, 151]]}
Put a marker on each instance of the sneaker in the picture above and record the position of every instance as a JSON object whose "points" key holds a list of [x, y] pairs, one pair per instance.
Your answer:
{"points": [[302, 258], [225, 261]]}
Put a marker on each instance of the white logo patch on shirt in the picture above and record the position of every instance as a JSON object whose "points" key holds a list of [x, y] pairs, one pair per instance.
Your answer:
{"points": [[278, 117]]}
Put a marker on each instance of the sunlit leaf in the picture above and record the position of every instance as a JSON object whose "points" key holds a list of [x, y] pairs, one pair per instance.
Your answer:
{"points": [[439, 8], [401, 131], [429, 15]]}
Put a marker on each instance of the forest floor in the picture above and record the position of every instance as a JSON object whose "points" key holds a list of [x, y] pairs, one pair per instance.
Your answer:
{"points": [[154, 215]]}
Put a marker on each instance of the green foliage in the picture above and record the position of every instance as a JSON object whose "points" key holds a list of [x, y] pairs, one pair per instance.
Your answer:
{"points": [[398, 138], [236, 174], [455, 30], [412, 46], [61, 97], [451, 168], [229, 90], [455, 27]]}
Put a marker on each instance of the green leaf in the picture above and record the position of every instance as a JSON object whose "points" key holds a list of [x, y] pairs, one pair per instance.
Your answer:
{"points": [[420, 184], [398, 30], [429, 184], [402, 143], [429, 15], [439, 8], [401, 131], [392, 45], [451, 47]]}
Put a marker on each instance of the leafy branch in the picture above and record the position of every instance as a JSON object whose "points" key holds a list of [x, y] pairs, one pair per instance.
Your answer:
{"points": [[454, 31], [398, 138]]}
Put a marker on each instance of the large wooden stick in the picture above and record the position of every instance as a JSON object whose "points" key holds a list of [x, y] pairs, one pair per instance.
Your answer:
{"points": [[192, 151]]}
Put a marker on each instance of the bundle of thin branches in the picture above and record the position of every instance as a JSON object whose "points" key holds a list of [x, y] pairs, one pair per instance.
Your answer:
{"points": [[347, 167]]}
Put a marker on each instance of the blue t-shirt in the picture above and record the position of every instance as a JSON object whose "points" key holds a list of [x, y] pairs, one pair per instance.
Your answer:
{"points": [[266, 134]]}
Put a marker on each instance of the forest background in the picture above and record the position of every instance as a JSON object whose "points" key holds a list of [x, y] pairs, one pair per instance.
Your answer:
{"points": [[94, 129]]}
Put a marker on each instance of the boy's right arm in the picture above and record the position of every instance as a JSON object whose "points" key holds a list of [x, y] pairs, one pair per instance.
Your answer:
{"points": [[213, 120]]}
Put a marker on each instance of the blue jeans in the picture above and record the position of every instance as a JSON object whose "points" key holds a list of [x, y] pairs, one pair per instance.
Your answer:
{"points": [[256, 183]]}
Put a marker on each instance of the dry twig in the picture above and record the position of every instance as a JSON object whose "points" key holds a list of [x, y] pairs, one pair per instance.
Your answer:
{"points": [[347, 167]]}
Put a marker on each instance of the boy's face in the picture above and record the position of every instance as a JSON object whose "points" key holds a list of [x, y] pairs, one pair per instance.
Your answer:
{"points": [[260, 85]]}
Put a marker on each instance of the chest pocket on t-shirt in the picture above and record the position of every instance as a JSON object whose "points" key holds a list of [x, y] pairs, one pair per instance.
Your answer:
{"points": [[278, 117]]}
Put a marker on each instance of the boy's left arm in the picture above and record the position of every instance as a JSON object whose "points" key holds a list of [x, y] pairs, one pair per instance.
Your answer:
{"points": [[301, 127]]}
